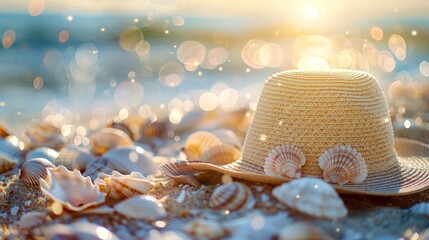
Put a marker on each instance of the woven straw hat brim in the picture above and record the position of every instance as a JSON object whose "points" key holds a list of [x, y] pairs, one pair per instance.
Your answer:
{"points": [[410, 175]]}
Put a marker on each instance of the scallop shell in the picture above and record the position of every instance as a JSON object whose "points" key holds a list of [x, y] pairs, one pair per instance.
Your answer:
{"points": [[221, 154], [44, 135], [43, 152], [7, 162], [72, 156], [71, 189], [31, 220], [121, 126], [198, 143], [143, 207], [120, 186], [343, 164], [181, 173], [311, 196], [34, 169], [204, 229], [78, 231], [299, 231], [284, 161], [131, 159], [420, 208], [109, 138], [157, 128], [97, 166], [232, 196], [227, 136]]}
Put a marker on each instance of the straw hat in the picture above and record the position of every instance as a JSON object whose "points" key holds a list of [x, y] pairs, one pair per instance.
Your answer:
{"points": [[317, 110]]}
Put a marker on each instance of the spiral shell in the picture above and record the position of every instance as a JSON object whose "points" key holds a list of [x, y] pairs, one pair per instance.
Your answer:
{"points": [[71, 189], [232, 196], [72, 156], [420, 208], [34, 169], [221, 154], [7, 162], [109, 138], [44, 135], [198, 143], [120, 186], [311, 196], [142, 207], [43, 152], [343, 164], [96, 166], [181, 173], [284, 161]]}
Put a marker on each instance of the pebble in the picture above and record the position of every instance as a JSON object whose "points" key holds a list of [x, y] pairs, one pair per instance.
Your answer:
{"points": [[27, 203], [14, 210], [181, 197]]}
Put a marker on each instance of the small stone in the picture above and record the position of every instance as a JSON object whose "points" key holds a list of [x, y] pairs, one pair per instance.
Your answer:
{"points": [[259, 188], [27, 203], [181, 197], [14, 210]]}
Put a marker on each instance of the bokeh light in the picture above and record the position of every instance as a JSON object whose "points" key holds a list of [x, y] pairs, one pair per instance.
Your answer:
{"points": [[129, 38], [171, 74], [36, 7], [129, 93], [8, 38], [191, 54], [208, 101]]}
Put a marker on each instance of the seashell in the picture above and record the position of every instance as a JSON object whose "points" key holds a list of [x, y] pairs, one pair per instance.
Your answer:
{"points": [[420, 208], [43, 152], [204, 229], [7, 162], [97, 166], [181, 173], [232, 196], [343, 164], [71, 189], [10, 149], [153, 128], [121, 126], [34, 169], [221, 154], [3, 131], [31, 220], [44, 135], [198, 143], [311, 196], [284, 161], [72, 156], [131, 159], [299, 231], [109, 138], [227, 136], [77, 231], [120, 186], [189, 121], [103, 210], [143, 207]]}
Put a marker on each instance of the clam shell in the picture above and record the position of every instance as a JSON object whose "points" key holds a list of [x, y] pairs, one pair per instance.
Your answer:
{"points": [[143, 207], [420, 208], [109, 138], [204, 229], [227, 136], [71, 189], [343, 164], [181, 173], [221, 154], [34, 169], [7, 162], [43, 152], [44, 135], [72, 156], [311, 196], [232, 196], [31, 220], [157, 128], [77, 231], [131, 159], [284, 161], [198, 143], [97, 166], [299, 231], [120, 186]]}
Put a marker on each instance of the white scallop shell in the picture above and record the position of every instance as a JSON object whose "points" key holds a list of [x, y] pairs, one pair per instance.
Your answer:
{"points": [[97, 166], [72, 156], [204, 229], [7, 162], [221, 154], [420, 208], [227, 136], [302, 230], [198, 143], [71, 189], [43, 152], [311, 196], [232, 196], [181, 173], [142, 207], [120, 186], [34, 169], [44, 135], [109, 138], [131, 159], [343, 164], [284, 161], [31, 220]]}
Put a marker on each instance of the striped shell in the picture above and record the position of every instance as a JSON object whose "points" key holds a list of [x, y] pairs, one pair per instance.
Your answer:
{"points": [[151, 129], [232, 196], [34, 169], [44, 135], [109, 138], [9, 148], [221, 154], [420, 208], [227, 136], [72, 156], [71, 189], [181, 173], [311, 196], [198, 143], [43, 152], [142, 207], [302, 230], [284, 161], [343, 164], [97, 166], [7, 162], [120, 186], [131, 159]]}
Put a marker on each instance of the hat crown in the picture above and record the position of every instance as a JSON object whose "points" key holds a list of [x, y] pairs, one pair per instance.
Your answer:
{"points": [[316, 110]]}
